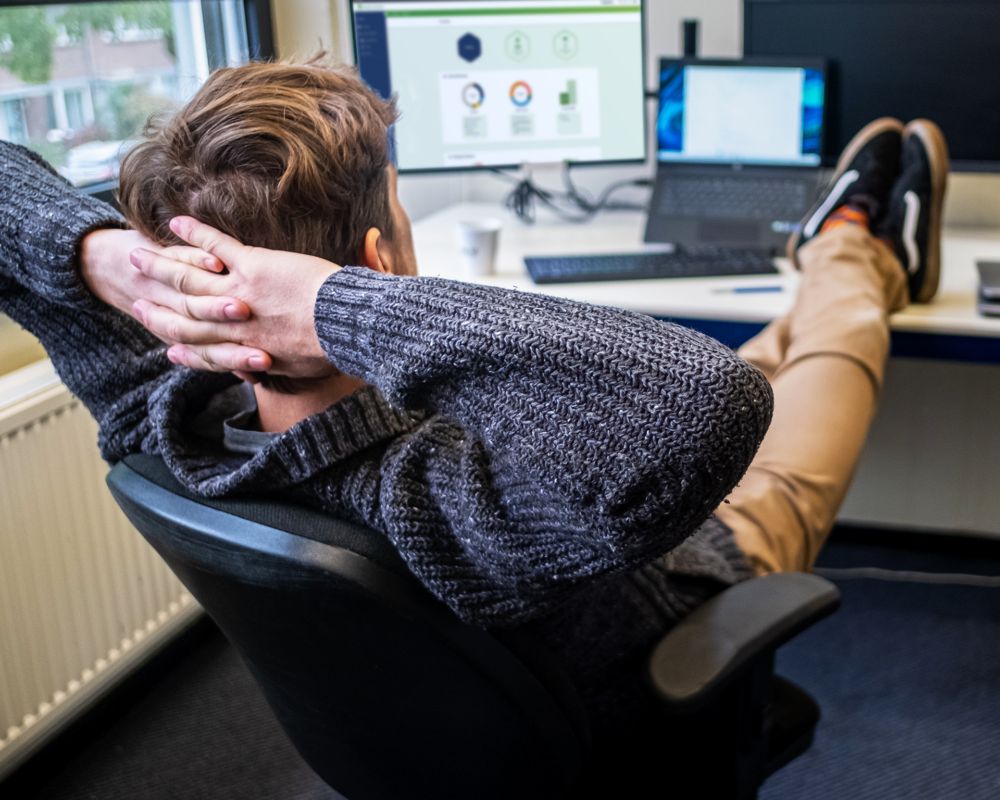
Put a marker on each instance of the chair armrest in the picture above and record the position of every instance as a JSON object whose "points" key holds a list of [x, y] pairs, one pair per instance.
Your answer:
{"points": [[712, 647]]}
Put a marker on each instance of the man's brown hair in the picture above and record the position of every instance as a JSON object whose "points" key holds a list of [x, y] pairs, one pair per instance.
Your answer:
{"points": [[283, 156]]}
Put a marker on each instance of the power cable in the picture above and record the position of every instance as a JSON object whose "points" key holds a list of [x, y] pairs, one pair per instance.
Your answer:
{"points": [[573, 204]]}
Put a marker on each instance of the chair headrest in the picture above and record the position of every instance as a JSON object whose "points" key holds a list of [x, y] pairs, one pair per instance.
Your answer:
{"points": [[299, 520]]}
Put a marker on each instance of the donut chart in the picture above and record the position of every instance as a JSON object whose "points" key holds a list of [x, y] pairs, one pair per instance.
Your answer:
{"points": [[473, 95], [520, 94]]}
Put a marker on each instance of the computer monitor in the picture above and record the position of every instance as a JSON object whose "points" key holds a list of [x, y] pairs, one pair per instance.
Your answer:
{"points": [[500, 83], [741, 112], [938, 59], [79, 80]]}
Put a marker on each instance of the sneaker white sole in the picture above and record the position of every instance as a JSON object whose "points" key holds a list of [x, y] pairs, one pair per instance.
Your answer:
{"points": [[861, 138], [937, 155]]}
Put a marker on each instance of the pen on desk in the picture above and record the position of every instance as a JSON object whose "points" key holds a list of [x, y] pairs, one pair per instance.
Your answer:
{"points": [[749, 290]]}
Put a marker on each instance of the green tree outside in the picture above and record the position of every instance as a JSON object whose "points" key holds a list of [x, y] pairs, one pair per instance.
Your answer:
{"points": [[28, 33], [127, 107], [27, 37]]}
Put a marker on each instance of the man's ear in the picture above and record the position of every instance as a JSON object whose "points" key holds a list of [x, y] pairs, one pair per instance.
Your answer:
{"points": [[376, 255]]}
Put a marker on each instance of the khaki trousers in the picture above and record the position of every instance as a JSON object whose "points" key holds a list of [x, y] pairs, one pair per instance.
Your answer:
{"points": [[825, 361]]}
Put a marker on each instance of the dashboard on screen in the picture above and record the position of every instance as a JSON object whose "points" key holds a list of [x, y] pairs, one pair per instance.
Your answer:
{"points": [[489, 83]]}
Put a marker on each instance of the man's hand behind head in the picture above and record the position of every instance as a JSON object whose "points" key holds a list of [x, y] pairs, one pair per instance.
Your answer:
{"points": [[106, 270], [279, 288]]}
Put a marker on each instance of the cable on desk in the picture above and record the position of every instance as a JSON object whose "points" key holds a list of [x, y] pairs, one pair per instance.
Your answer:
{"points": [[571, 205]]}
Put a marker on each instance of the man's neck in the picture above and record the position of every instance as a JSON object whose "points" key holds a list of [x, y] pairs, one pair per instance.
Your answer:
{"points": [[278, 412]]}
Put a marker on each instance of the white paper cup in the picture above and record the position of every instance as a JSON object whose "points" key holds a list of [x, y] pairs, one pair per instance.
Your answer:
{"points": [[476, 241]]}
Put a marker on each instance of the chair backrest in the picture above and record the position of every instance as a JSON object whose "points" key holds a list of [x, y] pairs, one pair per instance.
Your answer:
{"points": [[383, 690]]}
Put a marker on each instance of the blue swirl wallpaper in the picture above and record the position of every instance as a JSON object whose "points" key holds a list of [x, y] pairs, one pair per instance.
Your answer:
{"points": [[812, 111], [670, 119]]}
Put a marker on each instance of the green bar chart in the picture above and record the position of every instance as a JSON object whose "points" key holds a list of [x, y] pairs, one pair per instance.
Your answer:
{"points": [[568, 98]]}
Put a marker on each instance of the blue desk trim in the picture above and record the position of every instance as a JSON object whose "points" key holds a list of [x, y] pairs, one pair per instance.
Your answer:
{"points": [[731, 334], [972, 349]]}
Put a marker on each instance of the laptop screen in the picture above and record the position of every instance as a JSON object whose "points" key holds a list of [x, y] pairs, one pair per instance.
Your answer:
{"points": [[735, 112]]}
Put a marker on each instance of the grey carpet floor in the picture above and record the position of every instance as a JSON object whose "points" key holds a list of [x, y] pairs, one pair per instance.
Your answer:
{"points": [[908, 679], [907, 675], [203, 733]]}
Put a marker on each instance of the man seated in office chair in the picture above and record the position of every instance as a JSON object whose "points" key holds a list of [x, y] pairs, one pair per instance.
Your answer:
{"points": [[536, 462]]}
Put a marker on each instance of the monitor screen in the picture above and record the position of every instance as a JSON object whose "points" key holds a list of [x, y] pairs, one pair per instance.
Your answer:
{"points": [[78, 81], [937, 59], [489, 83], [740, 113]]}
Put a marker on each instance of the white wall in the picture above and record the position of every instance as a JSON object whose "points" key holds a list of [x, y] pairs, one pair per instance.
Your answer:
{"points": [[930, 462], [18, 348], [720, 31], [304, 27]]}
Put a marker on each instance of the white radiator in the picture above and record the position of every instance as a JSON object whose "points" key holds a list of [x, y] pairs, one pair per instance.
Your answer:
{"points": [[83, 599]]}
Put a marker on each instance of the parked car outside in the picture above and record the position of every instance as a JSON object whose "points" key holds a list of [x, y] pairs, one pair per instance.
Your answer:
{"points": [[94, 162]]}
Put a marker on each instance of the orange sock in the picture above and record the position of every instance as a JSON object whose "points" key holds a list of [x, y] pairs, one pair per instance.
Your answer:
{"points": [[846, 215]]}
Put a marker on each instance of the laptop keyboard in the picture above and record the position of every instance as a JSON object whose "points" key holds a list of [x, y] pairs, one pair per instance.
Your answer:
{"points": [[701, 263], [748, 198]]}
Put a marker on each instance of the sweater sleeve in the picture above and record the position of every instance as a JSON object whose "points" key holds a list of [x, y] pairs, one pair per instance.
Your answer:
{"points": [[106, 359], [607, 436]]}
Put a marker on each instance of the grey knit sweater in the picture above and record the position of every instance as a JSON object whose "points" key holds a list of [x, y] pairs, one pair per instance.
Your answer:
{"points": [[532, 459]]}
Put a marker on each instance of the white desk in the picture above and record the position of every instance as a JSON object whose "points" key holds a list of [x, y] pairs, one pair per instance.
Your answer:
{"points": [[931, 457], [953, 313]]}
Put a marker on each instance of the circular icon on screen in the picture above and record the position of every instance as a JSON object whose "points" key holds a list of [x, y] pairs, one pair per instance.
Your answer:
{"points": [[565, 45], [473, 95], [520, 94]]}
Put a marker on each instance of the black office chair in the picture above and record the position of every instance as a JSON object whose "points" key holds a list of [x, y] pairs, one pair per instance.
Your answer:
{"points": [[389, 696]]}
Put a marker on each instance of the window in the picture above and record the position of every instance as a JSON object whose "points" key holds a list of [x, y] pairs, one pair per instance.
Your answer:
{"points": [[78, 81], [73, 98], [15, 121]]}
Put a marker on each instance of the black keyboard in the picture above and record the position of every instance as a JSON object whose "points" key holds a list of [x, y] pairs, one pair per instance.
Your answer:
{"points": [[700, 263], [746, 198]]}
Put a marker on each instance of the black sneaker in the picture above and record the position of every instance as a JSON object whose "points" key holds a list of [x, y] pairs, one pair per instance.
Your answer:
{"points": [[912, 220], [865, 173]]}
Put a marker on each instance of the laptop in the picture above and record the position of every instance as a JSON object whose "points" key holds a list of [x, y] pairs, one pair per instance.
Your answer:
{"points": [[738, 148]]}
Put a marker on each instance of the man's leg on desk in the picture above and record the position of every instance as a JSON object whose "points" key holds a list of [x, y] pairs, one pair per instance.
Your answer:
{"points": [[825, 362], [826, 359]]}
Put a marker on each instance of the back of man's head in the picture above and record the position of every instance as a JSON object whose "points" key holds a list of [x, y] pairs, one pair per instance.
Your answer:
{"points": [[283, 156]]}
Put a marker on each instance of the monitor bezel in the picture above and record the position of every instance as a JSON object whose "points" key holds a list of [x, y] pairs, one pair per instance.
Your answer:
{"points": [[778, 61], [954, 165], [497, 167]]}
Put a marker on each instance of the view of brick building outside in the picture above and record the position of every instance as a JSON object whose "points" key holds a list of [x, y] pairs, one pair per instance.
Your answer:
{"points": [[105, 85]]}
